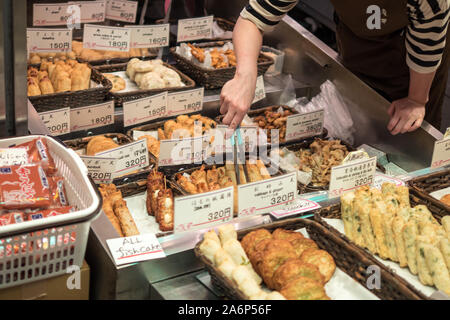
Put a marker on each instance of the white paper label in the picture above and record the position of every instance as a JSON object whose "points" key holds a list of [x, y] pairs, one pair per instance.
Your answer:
{"points": [[131, 157], [49, 40], [56, 121], [441, 153], [184, 151], [121, 10], [204, 210], [106, 38], [146, 109], [183, 102], [50, 14], [380, 178], [263, 196], [195, 29], [352, 175], [13, 156], [90, 117], [152, 36], [100, 169], [304, 125], [260, 92], [91, 11], [295, 207], [132, 249]]}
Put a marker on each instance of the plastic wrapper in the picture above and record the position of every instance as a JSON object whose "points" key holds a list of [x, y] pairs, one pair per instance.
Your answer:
{"points": [[24, 186], [49, 213], [12, 218], [58, 192], [39, 153]]}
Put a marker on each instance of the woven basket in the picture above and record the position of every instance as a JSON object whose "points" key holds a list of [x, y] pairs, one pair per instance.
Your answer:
{"points": [[74, 99], [424, 185], [216, 78], [346, 256], [127, 182], [121, 97]]}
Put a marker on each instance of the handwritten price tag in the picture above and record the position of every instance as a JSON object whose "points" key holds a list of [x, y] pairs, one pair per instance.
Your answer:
{"points": [[263, 196], [106, 38], [132, 249], [50, 14], [152, 36], [304, 125], [183, 102], [260, 92], [131, 157], [121, 10], [49, 40], [441, 153], [352, 175], [146, 109], [184, 151], [91, 11], [13, 156], [100, 169], [295, 207], [90, 117], [195, 29], [57, 121], [203, 210]]}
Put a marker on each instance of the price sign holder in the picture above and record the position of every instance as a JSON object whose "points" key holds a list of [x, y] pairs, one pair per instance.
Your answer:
{"points": [[204, 210], [49, 40], [90, 117], [295, 207], [133, 249], [91, 11], [106, 38], [150, 36], [351, 176], [304, 125], [121, 10], [146, 109], [56, 121], [260, 92], [441, 153], [184, 151], [264, 196], [100, 169], [195, 29], [183, 102], [131, 157], [50, 14]]}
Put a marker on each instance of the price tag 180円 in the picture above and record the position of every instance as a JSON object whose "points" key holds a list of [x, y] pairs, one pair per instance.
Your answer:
{"points": [[90, 117], [185, 102], [203, 211], [106, 38]]}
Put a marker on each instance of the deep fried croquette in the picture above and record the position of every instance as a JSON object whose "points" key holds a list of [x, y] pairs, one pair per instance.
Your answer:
{"points": [[322, 260], [303, 288], [301, 245], [288, 235], [275, 254], [294, 268]]}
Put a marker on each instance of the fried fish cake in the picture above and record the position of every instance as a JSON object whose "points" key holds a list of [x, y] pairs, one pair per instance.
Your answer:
{"points": [[275, 254], [258, 254], [322, 260], [302, 244], [282, 234], [303, 288], [251, 239], [294, 268]]}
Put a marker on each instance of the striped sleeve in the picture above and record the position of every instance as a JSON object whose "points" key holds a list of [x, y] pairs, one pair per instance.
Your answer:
{"points": [[426, 34], [265, 14]]}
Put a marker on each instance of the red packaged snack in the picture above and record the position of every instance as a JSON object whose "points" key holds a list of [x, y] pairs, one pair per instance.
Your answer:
{"points": [[11, 218], [23, 187], [58, 192], [39, 153], [49, 213]]}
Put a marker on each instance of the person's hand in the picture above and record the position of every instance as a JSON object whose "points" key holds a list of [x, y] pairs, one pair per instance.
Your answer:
{"points": [[235, 99], [406, 116]]}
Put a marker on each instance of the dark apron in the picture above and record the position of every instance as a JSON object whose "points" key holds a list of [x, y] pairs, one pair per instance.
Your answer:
{"points": [[378, 56]]}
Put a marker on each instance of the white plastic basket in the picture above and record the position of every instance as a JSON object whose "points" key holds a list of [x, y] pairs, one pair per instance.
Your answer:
{"points": [[44, 248]]}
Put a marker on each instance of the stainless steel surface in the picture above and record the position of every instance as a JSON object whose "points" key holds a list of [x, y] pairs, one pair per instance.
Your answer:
{"points": [[321, 10]]}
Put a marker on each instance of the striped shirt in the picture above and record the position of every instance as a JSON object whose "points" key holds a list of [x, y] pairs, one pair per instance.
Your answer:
{"points": [[425, 34]]}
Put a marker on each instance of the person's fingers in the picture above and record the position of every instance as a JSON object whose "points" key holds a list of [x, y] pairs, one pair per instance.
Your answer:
{"points": [[236, 120], [229, 116], [395, 118], [391, 109], [407, 125], [417, 124], [399, 126], [224, 105]]}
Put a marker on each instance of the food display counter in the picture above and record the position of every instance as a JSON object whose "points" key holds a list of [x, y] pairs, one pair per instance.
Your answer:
{"points": [[154, 183]]}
